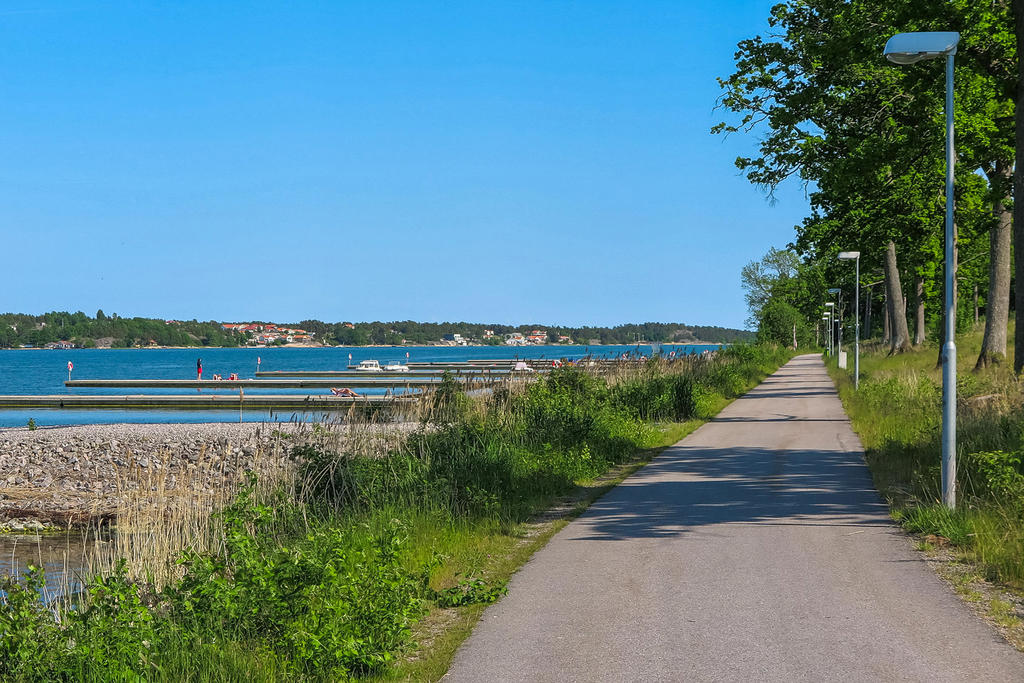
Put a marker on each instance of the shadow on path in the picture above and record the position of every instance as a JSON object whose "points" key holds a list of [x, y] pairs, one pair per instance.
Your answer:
{"points": [[693, 487]]}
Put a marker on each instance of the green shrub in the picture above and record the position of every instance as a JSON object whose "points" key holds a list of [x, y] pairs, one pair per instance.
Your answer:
{"points": [[995, 475]]}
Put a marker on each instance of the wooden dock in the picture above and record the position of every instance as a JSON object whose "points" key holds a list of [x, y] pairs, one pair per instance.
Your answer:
{"points": [[243, 384], [461, 372], [205, 402]]}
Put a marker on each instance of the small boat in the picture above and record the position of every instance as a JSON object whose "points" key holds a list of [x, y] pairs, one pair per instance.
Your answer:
{"points": [[395, 366], [368, 366]]}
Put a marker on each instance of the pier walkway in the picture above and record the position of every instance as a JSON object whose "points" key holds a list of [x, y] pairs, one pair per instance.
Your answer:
{"points": [[756, 549]]}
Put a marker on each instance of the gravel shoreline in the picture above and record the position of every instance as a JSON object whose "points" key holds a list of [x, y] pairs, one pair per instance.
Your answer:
{"points": [[60, 475]]}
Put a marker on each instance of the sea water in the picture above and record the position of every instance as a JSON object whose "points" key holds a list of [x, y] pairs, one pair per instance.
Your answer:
{"points": [[43, 372]]}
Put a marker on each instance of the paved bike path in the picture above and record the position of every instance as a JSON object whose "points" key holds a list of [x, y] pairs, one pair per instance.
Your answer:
{"points": [[756, 549]]}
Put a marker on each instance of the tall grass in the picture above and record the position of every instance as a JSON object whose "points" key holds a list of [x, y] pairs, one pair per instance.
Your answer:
{"points": [[897, 414], [320, 567]]}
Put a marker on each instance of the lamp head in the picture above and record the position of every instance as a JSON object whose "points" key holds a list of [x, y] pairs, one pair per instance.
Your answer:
{"points": [[833, 290], [848, 255], [908, 48], [830, 303]]}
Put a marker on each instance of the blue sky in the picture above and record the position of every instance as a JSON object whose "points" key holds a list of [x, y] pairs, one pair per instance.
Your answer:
{"points": [[511, 162]]}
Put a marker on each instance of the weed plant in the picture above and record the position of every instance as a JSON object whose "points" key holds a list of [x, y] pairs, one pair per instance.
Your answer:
{"points": [[323, 575], [897, 413]]}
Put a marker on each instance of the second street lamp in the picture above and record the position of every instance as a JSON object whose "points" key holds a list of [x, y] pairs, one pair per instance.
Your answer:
{"points": [[838, 310], [830, 310], [855, 256], [908, 48]]}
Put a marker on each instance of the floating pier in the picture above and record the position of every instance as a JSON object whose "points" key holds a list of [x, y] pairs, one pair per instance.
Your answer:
{"points": [[463, 372], [208, 402], [297, 383]]}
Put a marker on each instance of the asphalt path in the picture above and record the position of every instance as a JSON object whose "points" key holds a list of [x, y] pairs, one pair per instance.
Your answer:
{"points": [[756, 549]]}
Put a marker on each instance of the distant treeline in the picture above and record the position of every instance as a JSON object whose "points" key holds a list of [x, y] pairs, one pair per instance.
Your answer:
{"points": [[17, 329], [409, 332]]}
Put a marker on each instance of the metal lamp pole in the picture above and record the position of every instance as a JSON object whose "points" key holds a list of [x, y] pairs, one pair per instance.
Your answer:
{"points": [[845, 256], [830, 311], [908, 48], [838, 317]]}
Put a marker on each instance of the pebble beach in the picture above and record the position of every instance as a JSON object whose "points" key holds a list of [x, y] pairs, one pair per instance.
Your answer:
{"points": [[59, 475]]}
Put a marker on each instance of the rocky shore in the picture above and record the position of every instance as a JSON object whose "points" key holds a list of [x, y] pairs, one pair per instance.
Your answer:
{"points": [[62, 475]]}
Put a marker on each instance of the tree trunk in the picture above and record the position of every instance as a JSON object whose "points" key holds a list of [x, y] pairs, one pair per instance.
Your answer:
{"points": [[976, 304], [997, 306], [900, 335], [886, 319], [1018, 187], [918, 310], [867, 313]]}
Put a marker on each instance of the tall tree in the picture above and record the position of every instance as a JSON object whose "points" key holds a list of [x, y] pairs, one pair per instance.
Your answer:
{"points": [[867, 135], [1018, 190]]}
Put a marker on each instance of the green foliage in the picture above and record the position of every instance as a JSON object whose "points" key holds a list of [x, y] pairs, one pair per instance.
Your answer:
{"points": [[781, 323], [994, 475], [470, 591], [27, 629], [32, 424]]}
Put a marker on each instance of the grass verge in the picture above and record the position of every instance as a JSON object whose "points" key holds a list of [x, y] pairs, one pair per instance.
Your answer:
{"points": [[897, 414]]}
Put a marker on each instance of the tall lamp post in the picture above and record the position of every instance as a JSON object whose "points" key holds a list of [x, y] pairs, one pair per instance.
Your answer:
{"points": [[908, 48], [855, 256], [828, 335]]}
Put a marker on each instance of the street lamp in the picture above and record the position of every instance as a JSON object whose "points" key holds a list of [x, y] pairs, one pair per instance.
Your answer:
{"points": [[908, 48], [838, 331], [828, 334], [831, 312], [855, 256]]}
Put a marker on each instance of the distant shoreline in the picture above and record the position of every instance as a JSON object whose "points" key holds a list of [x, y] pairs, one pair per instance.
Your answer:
{"points": [[366, 346]]}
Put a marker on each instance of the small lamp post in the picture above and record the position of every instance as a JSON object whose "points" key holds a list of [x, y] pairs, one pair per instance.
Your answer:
{"points": [[908, 48], [838, 319], [831, 312], [855, 256]]}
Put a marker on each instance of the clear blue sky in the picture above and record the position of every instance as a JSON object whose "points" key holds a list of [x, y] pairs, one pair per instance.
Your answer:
{"points": [[490, 161]]}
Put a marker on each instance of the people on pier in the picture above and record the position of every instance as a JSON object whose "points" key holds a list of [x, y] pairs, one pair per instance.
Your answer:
{"points": [[344, 391]]}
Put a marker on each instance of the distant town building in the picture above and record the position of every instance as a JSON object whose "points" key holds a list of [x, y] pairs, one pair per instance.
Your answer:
{"points": [[537, 337], [454, 339], [515, 339]]}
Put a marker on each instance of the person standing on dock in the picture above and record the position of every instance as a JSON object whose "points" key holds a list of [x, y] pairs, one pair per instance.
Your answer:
{"points": [[199, 368]]}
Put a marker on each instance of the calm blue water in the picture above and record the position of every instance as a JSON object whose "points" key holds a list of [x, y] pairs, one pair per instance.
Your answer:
{"points": [[44, 372]]}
